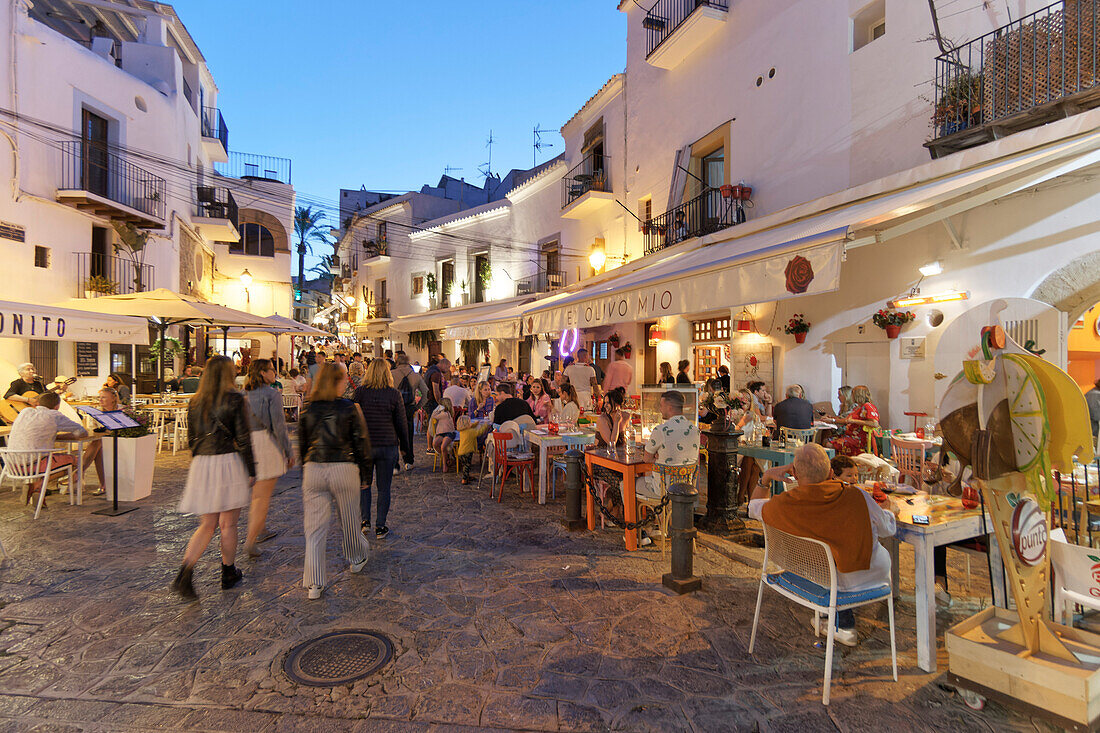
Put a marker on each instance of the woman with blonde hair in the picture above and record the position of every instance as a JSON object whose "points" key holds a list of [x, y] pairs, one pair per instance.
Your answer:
{"points": [[383, 408], [666, 374], [861, 420], [844, 395], [570, 404], [221, 473], [481, 405], [270, 446], [335, 454]]}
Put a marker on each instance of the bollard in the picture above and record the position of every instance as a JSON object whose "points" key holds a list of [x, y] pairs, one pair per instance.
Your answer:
{"points": [[574, 488], [682, 531]]}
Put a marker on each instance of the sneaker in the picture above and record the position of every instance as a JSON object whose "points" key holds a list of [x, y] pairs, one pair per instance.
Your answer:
{"points": [[847, 637], [381, 532], [357, 567], [408, 466], [231, 575], [314, 592]]}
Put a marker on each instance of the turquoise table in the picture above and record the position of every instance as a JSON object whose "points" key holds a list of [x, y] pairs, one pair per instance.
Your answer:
{"points": [[777, 456]]}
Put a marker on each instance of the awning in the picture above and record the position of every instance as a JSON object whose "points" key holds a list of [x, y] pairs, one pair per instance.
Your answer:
{"points": [[47, 322], [446, 318], [798, 251], [502, 324]]}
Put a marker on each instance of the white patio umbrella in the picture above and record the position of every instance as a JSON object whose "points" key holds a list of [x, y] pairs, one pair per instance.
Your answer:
{"points": [[166, 308], [278, 326]]}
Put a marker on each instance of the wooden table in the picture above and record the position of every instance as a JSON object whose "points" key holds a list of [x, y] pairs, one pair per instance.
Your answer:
{"points": [[951, 526], [545, 441], [630, 465]]}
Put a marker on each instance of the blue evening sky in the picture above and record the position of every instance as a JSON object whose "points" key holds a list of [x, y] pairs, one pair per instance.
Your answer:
{"points": [[385, 93]]}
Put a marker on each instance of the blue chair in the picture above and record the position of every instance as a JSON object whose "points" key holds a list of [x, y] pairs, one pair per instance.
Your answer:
{"points": [[557, 460]]}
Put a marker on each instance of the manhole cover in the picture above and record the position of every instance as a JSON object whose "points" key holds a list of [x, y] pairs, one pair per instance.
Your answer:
{"points": [[337, 658]]}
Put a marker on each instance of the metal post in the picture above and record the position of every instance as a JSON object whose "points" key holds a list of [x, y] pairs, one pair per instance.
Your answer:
{"points": [[682, 531], [162, 328], [574, 486], [722, 479]]}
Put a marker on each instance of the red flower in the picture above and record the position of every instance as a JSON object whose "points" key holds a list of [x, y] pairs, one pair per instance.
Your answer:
{"points": [[799, 274]]}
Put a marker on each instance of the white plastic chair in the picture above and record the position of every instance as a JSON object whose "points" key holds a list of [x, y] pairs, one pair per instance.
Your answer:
{"points": [[1073, 578], [293, 402], [179, 429], [807, 575], [157, 427], [23, 466]]}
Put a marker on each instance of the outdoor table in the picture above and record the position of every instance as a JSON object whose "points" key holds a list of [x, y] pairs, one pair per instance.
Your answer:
{"points": [[630, 465], [778, 457], [545, 441], [952, 524]]}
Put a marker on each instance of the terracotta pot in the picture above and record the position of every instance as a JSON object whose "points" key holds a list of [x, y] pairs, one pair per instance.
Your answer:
{"points": [[800, 338], [892, 331]]}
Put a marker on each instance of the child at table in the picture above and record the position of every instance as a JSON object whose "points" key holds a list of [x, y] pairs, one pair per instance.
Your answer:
{"points": [[468, 433], [443, 421]]}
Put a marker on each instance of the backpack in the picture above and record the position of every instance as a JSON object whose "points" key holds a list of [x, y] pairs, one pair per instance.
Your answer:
{"points": [[406, 391]]}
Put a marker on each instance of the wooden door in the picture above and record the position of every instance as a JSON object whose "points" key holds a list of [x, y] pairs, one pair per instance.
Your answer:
{"points": [[94, 154]]}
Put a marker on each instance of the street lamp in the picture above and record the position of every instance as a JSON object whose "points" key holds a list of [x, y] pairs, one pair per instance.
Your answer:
{"points": [[246, 280], [597, 258]]}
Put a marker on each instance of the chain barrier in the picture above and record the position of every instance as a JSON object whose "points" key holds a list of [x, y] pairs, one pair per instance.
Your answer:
{"points": [[589, 483]]}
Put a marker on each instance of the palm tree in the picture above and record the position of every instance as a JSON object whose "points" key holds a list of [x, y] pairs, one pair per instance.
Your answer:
{"points": [[324, 267], [309, 229]]}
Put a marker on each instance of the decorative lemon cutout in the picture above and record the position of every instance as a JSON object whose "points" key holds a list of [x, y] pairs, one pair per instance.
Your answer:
{"points": [[1026, 410]]}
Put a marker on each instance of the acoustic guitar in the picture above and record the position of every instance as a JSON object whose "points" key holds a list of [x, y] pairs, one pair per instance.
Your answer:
{"points": [[10, 409]]}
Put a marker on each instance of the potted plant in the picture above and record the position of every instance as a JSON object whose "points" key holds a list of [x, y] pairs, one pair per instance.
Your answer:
{"points": [[98, 285], [137, 449], [959, 104], [485, 274], [462, 287], [798, 327], [891, 321], [432, 287]]}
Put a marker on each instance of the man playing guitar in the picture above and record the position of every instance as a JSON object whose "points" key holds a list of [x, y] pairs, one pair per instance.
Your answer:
{"points": [[28, 382]]}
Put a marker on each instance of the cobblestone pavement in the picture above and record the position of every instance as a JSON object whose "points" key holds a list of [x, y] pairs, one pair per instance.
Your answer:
{"points": [[499, 617]]}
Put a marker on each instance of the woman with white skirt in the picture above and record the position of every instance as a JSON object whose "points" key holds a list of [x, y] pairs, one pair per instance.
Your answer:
{"points": [[270, 445], [221, 473], [336, 462]]}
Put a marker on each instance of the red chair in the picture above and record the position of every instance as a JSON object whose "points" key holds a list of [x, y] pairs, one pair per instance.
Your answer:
{"points": [[504, 463]]}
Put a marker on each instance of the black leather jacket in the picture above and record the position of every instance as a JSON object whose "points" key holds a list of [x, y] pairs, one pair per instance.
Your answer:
{"points": [[224, 430], [334, 432]]}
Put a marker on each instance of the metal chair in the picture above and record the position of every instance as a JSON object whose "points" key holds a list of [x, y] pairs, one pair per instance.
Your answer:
{"points": [[807, 575], [909, 459], [29, 466], [667, 476]]}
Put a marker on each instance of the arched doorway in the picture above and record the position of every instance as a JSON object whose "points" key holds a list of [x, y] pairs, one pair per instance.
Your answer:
{"points": [[1074, 289]]}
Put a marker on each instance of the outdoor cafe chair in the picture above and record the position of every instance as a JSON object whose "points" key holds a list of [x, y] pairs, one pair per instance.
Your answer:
{"points": [[292, 404], [1073, 579], [179, 428], [506, 462], [909, 459], [802, 436], [667, 476], [557, 459], [28, 466], [807, 575]]}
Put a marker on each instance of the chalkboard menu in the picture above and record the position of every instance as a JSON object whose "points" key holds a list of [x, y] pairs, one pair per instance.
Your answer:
{"points": [[87, 359]]}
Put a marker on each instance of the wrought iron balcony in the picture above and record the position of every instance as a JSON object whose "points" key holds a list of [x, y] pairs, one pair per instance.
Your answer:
{"points": [[372, 311], [666, 18], [375, 248], [216, 203], [97, 178], [1041, 67], [588, 176], [213, 126], [542, 282], [101, 274], [251, 166], [705, 214]]}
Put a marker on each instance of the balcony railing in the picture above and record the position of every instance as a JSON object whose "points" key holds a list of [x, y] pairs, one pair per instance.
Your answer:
{"points": [[97, 169], [216, 203], [667, 15], [589, 175], [253, 166], [375, 248], [213, 125], [707, 213], [1013, 73], [376, 310], [542, 282], [103, 274]]}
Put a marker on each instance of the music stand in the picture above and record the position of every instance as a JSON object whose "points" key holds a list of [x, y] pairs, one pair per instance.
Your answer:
{"points": [[113, 421]]}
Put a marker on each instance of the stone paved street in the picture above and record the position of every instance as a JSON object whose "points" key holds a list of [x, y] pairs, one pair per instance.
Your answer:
{"points": [[499, 617]]}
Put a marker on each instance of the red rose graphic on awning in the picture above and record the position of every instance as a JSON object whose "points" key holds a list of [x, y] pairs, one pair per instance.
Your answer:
{"points": [[800, 273]]}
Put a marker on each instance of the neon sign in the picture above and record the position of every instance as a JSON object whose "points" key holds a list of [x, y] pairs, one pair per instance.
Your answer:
{"points": [[570, 340]]}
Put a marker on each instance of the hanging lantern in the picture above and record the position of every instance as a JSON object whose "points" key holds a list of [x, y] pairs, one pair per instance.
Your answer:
{"points": [[744, 322], [656, 334]]}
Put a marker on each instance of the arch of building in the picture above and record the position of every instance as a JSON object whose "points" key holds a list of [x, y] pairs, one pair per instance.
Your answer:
{"points": [[273, 225], [1072, 288]]}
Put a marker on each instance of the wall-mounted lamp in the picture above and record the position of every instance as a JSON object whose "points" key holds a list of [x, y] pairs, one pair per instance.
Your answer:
{"points": [[246, 280], [931, 269], [598, 256], [929, 299], [656, 334], [744, 322]]}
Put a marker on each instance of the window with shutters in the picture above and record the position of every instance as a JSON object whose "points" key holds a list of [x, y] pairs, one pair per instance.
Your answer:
{"points": [[41, 256], [43, 354]]}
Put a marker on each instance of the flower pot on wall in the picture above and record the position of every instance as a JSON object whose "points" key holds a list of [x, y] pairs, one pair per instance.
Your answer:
{"points": [[892, 331], [135, 460], [800, 338]]}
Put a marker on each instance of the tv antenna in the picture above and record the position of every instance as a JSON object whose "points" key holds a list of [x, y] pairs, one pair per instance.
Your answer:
{"points": [[486, 169], [449, 169], [539, 144]]}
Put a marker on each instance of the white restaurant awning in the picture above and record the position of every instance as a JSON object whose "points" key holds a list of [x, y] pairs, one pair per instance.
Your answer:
{"points": [[494, 319], [48, 322], [797, 251]]}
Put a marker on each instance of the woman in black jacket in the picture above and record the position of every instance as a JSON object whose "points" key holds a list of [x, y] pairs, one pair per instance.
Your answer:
{"points": [[222, 470], [336, 461], [384, 411]]}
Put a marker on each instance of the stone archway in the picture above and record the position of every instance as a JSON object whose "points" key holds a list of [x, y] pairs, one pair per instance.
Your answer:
{"points": [[1072, 288]]}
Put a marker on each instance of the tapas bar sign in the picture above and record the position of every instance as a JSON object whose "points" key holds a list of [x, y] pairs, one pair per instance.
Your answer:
{"points": [[27, 320]]}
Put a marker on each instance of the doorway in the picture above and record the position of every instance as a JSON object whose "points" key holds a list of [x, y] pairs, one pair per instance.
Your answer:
{"points": [[94, 154]]}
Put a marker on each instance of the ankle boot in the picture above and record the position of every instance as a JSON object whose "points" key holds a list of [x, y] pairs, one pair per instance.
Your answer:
{"points": [[230, 576], [182, 583]]}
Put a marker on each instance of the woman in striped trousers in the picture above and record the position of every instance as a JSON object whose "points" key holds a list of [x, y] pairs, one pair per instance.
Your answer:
{"points": [[335, 453]]}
